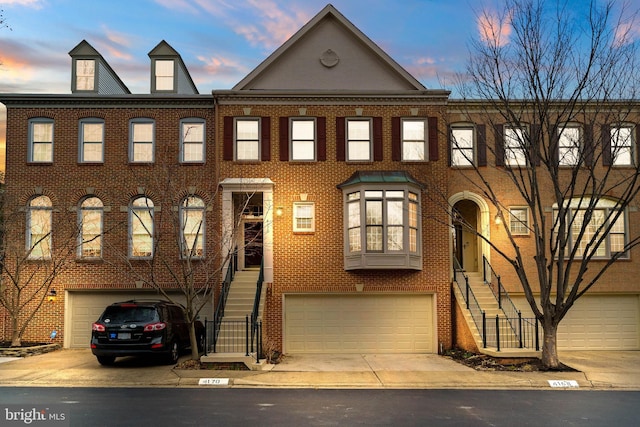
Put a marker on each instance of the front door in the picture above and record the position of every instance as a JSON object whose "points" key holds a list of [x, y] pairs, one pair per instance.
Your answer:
{"points": [[252, 244]]}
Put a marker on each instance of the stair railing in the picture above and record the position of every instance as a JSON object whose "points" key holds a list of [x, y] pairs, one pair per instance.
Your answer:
{"points": [[256, 334], [232, 267], [477, 314]]}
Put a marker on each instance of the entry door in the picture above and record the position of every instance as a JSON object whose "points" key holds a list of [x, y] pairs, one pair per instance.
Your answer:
{"points": [[252, 244]]}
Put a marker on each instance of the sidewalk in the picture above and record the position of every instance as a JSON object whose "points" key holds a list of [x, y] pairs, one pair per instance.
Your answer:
{"points": [[79, 368]]}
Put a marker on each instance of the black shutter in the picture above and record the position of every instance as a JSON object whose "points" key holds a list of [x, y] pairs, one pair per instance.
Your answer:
{"points": [[605, 139], [396, 145], [377, 139], [433, 138], [322, 138], [499, 137], [284, 139], [227, 138], [265, 136], [340, 139], [481, 140]]}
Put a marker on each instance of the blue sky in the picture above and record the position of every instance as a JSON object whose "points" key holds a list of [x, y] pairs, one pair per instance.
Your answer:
{"points": [[221, 41]]}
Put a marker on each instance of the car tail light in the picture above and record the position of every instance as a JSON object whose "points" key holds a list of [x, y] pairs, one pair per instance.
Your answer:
{"points": [[98, 327], [155, 327]]}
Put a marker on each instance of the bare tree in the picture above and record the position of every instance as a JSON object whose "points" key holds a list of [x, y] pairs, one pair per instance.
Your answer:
{"points": [[558, 86]]}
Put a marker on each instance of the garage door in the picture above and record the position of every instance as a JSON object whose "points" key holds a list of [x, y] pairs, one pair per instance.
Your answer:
{"points": [[84, 308], [359, 324], [601, 322]]}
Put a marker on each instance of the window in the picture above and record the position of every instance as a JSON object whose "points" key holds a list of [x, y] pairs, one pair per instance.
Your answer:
{"points": [[569, 145], [515, 146], [358, 139], [91, 140], [414, 133], [304, 217], [164, 74], [382, 221], [519, 220], [247, 138], [603, 215], [462, 152], [41, 141], [192, 141], [90, 218], [142, 141], [141, 228], [85, 74], [39, 218], [192, 227], [622, 153], [303, 139]]}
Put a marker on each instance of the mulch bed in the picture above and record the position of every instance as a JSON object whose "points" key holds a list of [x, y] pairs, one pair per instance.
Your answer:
{"points": [[483, 362], [26, 349]]}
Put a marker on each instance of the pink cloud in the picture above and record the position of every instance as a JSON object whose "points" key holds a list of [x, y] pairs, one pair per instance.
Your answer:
{"points": [[626, 33], [494, 29]]}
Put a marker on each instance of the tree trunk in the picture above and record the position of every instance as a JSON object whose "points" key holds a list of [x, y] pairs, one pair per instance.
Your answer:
{"points": [[549, 345], [16, 339], [195, 353]]}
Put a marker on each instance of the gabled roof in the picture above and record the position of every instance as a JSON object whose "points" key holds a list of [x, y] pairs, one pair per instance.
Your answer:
{"points": [[115, 85], [329, 53], [185, 84]]}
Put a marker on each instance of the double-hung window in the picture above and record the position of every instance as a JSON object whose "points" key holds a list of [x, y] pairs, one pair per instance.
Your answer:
{"points": [[164, 75], [91, 141], [622, 153], [142, 141], [462, 146], [192, 224], [304, 217], [359, 143], [303, 139], [85, 74], [569, 145], [39, 222], [40, 141], [519, 220], [90, 238], [247, 136], [516, 146], [382, 221], [141, 234], [192, 144], [414, 140]]}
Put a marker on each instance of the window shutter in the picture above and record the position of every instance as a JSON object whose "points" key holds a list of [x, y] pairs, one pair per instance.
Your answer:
{"points": [[605, 138], [534, 145], [284, 139], [377, 139], [265, 137], [322, 138], [396, 144], [227, 149], [340, 139], [588, 146], [433, 138], [499, 136], [481, 140]]}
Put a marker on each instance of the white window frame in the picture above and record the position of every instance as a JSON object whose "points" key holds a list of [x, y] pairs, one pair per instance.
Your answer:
{"points": [[414, 145], [515, 148], [569, 145], [192, 242], [354, 141], [136, 146], [162, 78], [519, 220], [47, 145], [304, 217], [39, 228], [622, 144], [299, 144], [141, 209], [463, 155], [241, 155], [195, 140], [83, 143], [90, 236], [85, 76]]}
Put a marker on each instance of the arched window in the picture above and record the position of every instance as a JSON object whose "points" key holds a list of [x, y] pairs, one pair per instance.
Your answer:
{"points": [[192, 224], [39, 217], [141, 228], [90, 224]]}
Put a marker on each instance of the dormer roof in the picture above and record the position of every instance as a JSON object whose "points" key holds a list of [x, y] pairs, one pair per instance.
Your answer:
{"points": [[183, 83], [106, 81]]}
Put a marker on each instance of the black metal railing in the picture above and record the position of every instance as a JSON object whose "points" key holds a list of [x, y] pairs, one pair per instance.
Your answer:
{"points": [[500, 293], [256, 312], [462, 280], [232, 267], [233, 336]]}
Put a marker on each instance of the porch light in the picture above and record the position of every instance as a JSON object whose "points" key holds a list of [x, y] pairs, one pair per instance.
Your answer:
{"points": [[279, 211], [52, 295], [498, 219]]}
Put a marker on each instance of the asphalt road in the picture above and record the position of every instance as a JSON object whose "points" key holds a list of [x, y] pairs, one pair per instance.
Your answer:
{"points": [[306, 407]]}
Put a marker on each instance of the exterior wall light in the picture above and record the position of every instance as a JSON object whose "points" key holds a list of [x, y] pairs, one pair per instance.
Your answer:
{"points": [[52, 295], [279, 211], [498, 219]]}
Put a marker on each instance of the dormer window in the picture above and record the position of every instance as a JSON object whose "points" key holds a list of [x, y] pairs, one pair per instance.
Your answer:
{"points": [[164, 75], [85, 74]]}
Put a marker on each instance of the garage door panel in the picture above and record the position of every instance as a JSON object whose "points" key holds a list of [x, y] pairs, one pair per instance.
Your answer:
{"points": [[358, 323]]}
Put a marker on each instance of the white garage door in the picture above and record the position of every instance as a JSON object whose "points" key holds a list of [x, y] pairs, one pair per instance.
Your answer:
{"points": [[359, 324], [84, 308], [599, 322]]}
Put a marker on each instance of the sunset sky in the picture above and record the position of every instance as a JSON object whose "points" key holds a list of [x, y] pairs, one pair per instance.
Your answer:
{"points": [[221, 41]]}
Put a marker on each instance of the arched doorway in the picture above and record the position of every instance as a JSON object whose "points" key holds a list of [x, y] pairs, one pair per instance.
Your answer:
{"points": [[470, 230]]}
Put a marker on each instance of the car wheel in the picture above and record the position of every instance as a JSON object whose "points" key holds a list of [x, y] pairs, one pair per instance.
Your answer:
{"points": [[106, 360], [174, 354]]}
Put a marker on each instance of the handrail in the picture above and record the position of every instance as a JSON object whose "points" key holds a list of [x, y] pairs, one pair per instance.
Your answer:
{"points": [[232, 267], [477, 314], [255, 313], [500, 293]]}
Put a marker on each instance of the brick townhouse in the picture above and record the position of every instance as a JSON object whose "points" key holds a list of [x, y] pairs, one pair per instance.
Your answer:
{"points": [[321, 166]]}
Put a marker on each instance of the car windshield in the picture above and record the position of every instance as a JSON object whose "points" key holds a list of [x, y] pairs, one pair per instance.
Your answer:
{"points": [[137, 314]]}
